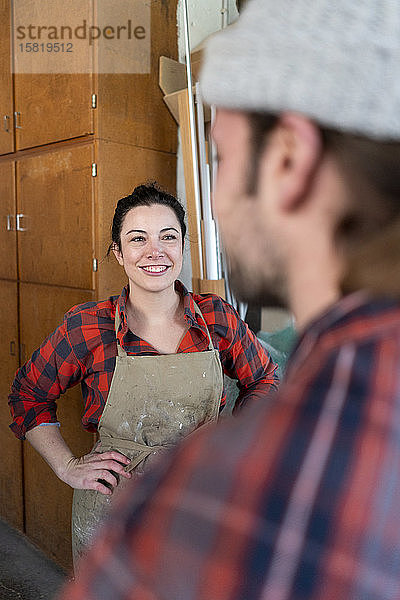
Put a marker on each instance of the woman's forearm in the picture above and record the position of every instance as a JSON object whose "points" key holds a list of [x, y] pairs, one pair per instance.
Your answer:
{"points": [[95, 471], [48, 441]]}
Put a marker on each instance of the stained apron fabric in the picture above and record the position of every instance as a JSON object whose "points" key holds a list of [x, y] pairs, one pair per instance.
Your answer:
{"points": [[153, 402]]}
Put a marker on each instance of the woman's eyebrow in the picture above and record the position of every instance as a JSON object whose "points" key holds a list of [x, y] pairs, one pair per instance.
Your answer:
{"points": [[143, 231], [135, 230], [168, 228]]}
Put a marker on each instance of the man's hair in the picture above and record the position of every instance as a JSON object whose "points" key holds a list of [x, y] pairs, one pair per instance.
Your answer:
{"points": [[369, 233]]}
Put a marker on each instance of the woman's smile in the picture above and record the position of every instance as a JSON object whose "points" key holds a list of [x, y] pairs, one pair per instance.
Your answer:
{"points": [[155, 269]]}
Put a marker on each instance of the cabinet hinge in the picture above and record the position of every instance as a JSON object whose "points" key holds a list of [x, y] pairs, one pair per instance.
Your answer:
{"points": [[94, 170], [95, 265], [94, 100]]}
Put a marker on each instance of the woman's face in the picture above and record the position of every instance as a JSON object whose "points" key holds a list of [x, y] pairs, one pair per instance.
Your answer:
{"points": [[151, 247]]}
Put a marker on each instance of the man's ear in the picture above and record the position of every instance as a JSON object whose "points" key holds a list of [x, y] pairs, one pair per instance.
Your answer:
{"points": [[294, 152], [118, 255]]}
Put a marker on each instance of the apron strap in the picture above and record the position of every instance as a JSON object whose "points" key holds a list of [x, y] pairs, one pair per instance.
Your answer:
{"points": [[198, 311], [121, 351]]}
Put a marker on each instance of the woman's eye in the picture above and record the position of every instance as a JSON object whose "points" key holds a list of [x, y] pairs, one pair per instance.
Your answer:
{"points": [[138, 238], [170, 236]]}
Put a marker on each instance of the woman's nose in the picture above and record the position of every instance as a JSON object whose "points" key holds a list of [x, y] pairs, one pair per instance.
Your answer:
{"points": [[155, 249]]}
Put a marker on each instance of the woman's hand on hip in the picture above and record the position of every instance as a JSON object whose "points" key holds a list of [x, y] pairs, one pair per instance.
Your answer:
{"points": [[94, 471], [98, 471]]}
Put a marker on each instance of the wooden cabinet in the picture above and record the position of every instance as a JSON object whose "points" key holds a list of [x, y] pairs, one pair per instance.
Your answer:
{"points": [[55, 204], [39, 108], [129, 113], [11, 496], [77, 145], [52, 107], [43, 108], [8, 211], [6, 92], [113, 182], [48, 501], [68, 208]]}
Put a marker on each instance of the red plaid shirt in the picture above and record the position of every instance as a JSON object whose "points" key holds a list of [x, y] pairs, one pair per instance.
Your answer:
{"points": [[83, 350], [294, 500]]}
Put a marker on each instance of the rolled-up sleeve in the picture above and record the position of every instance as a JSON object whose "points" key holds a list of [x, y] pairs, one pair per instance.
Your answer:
{"points": [[244, 358], [52, 369]]}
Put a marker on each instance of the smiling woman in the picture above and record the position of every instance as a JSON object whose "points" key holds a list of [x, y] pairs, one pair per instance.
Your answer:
{"points": [[150, 363], [150, 244]]}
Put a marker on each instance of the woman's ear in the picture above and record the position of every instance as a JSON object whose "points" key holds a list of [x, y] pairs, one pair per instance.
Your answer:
{"points": [[118, 255], [295, 150]]}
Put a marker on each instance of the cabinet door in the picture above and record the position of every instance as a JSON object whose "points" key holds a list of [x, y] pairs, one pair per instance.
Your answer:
{"points": [[52, 89], [131, 109], [6, 91], [11, 498], [47, 499], [55, 197], [145, 165], [52, 107], [8, 240]]}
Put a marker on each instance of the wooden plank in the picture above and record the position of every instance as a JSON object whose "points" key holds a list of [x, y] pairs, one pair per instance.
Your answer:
{"points": [[55, 195], [11, 495], [113, 183], [212, 286], [6, 90], [48, 500], [192, 212], [172, 76], [8, 235]]}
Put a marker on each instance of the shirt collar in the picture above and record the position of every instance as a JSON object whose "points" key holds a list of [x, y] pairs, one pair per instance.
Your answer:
{"points": [[121, 306], [335, 314], [358, 305], [188, 305]]}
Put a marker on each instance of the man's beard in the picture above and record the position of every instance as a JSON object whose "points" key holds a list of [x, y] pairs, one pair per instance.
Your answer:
{"points": [[253, 289]]}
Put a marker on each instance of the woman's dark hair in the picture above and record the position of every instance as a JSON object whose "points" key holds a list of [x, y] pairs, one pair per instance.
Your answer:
{"points": [[144, 195]]}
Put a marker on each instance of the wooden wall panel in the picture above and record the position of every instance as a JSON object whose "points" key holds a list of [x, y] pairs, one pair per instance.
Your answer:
{"points": [[6, 92], [8, 237], [131, 108], [141, 165], [47, 499], [52, 107], [11, 498], [55, 195]]}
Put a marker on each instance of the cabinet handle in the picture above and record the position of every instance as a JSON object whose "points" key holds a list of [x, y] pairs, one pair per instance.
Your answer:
{"points": [[17, 116], [10, 223], [19, 227], [6, 119], [12, 348]]}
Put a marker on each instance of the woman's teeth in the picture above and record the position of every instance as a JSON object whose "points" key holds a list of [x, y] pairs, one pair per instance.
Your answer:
{"points": [[155, 269]]}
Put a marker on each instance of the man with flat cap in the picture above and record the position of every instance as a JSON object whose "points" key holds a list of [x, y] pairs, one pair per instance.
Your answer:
{"points": [[299, 499]]}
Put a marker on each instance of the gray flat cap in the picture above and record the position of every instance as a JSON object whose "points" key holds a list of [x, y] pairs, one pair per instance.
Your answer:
{"points": [[336, 61]]}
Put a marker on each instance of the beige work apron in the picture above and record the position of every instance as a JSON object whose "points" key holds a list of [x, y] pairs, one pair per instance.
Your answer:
{"points": [[153, 402]]}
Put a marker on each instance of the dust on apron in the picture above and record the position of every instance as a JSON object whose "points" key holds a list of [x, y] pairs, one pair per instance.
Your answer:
{"points": [[153, 402]]}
